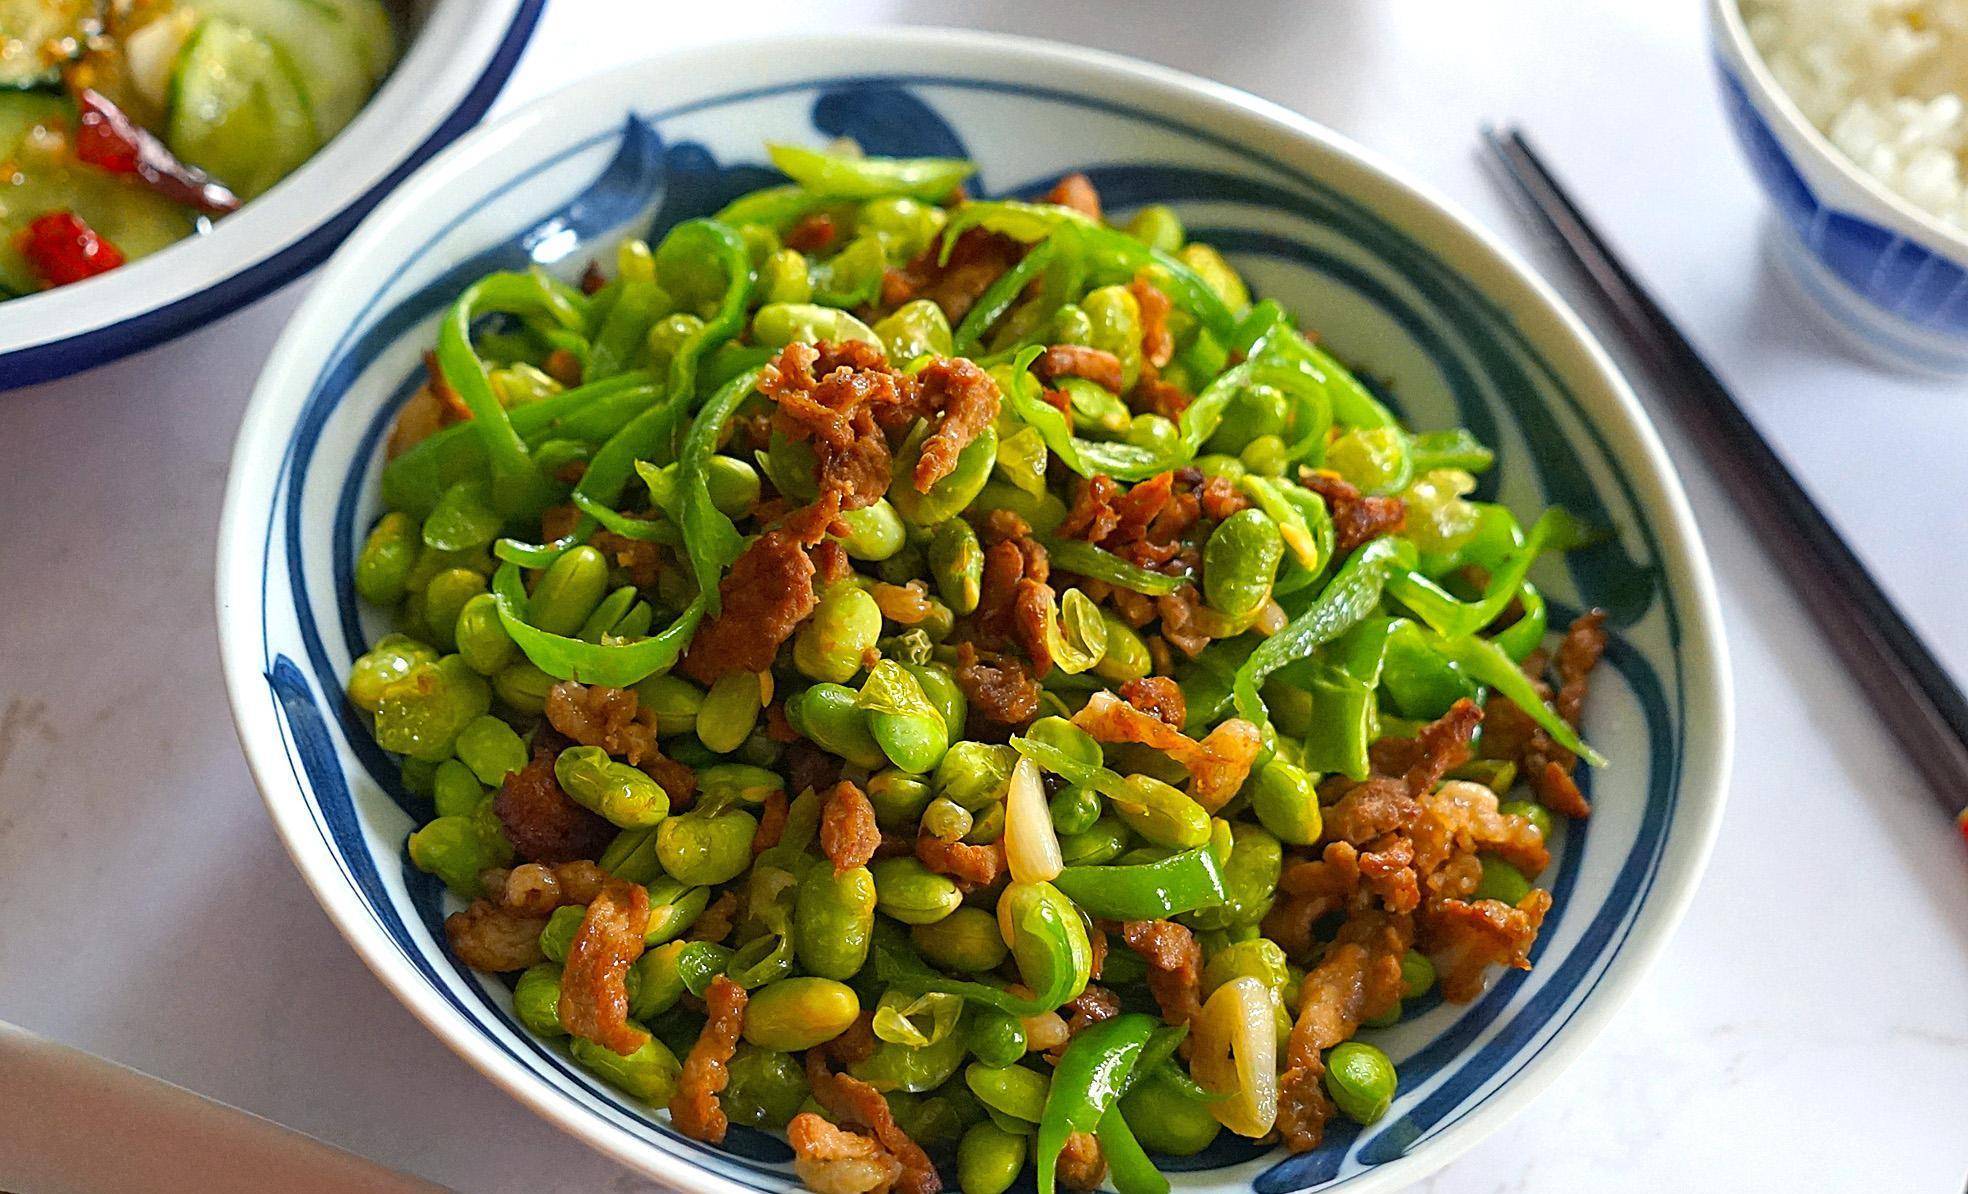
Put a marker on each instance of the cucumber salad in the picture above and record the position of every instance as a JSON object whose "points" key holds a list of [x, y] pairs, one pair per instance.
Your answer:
{"points": [[128, 124]]}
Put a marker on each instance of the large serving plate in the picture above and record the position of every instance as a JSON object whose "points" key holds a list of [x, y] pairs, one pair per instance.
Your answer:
{"points": [[1448, 323]]}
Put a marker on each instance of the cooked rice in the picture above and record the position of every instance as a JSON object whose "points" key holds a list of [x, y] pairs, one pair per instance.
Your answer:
{"points": [[1884, 80]]}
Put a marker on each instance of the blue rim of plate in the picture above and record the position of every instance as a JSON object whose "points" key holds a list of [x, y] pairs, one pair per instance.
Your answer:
{"points": [[311, 750], [99, 346]]}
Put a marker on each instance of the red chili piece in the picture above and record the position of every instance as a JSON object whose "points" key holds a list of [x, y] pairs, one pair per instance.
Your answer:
{"points": [[61, 248], [111, 141]]}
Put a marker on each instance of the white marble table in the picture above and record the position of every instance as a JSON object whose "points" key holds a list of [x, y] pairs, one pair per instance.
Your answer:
{"points": [[1807, 1029]]}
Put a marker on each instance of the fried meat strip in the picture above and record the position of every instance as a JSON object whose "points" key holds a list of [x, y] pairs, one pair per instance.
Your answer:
{"points": [[594, 993], [1159, 696], [766, 595], [998, 687], [831, 1160], [1175, 966], [594, 715], [1464, 939], [1217, 765], [848, 833], [542, 822], [695, 1110], [1356, 518]]}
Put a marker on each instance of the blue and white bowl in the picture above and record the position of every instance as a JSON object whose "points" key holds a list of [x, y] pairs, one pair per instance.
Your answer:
{"points": [[1456, 328], [1890, 278], [457, 54]]}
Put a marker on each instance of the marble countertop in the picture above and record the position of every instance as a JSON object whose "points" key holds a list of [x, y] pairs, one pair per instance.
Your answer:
{"points": [[1806, 1029]]}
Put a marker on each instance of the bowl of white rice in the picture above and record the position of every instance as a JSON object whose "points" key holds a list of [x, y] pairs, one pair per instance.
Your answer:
{"points": [[1854, 116]]}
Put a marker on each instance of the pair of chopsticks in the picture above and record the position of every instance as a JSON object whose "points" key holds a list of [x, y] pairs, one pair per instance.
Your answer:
{"points": [[1906, 686]]}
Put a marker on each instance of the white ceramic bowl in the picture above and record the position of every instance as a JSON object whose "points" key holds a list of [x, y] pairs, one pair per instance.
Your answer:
{"points": [[456, 57], [1890, 278], [1391, 279]]}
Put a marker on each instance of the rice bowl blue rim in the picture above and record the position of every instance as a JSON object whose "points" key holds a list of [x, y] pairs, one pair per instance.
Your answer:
{"points": [[54, 359], [1686, 569]]}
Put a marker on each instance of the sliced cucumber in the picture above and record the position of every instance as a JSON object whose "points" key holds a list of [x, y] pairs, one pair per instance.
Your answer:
{"points": [[45, 177], [321, 45], [38, 36], [369, 24], [238, 108]]}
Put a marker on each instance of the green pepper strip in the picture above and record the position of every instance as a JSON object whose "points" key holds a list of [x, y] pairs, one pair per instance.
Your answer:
{"points": [[1487, 663], [1087, 1081], [623, 330], [1124, 462], [1555, 530], [1352, 594], [1417, 681], [928, 179], [653, 432], [1181, 882], [1206, 689], [710, 538], [999, 297], [1318, 522], [646, 530], [1450, 449], [1103, 780], [518, 486], [777, 208], [700, 962], [1523, 636], [1084, 559], [591, 413], [894, 965], [617, 665], [1106, 248], [1344, 714], [1128, 1166]]}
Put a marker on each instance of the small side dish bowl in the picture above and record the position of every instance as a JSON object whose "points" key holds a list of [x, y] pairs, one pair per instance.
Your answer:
{"points": [[1890, 278], [456, 56], [1400, 286]]}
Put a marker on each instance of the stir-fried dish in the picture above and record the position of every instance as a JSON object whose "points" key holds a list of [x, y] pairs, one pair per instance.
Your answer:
{"points": [[959, 682], [126, 125]]}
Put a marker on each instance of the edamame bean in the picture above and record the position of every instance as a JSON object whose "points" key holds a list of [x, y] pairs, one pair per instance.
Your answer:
{"points": [[905, 227], [649, 1074], [382, 569], [1157, 433], [975, 774], [899, 798], [1285, 800], [913, 894], [1373, 458], [834, 921], [1127, 655], [445, 598], [1115, 317], [1101, 844], [1216, 464], [946, 819], [1162, 814], [874, 532], [966, 940], [910, 731], [455, 790], [674, 700], [456, 850], [989, 1159], [911, 1068], [1500, 881], [625, 795], [949, 496], [631, 855], [1074, 810], [1265, 456], [940, 686], [1009, 1090], [659, 979], [799, 1013], [1361, 1081], [557, 938], [792, 466], [1531, 811], [1166, 1117], [1417, 974], [1043, 513], [828, 715], [996, 1037], [673, 908], [523, 687], [422, 713], [536, 1000], [1048, 940], [482, 639], [568, 591], [666, 336], [914, 329], [779, 324], [783, 278], [491, 749], [729, 711], [956, 562], [832, 644], [1240, 561], [765, 1087], [703, 847], [1250, 880], [1158, 227], [1218, 273], [382, 665]]}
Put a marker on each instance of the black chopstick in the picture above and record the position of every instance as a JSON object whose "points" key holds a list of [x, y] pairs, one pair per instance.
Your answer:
{"points": [[1907, 687]]}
